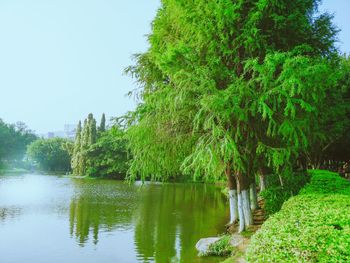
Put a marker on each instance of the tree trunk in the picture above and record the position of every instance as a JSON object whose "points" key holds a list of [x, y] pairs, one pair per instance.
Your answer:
{"points": [[247, 212], [232, 193], [253, 196], [241, 227], [262, 182], [244, 211]]}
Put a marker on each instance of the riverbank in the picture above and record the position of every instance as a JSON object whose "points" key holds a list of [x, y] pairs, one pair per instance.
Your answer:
{"points": [[234, 244], [13, 171], [313, 226]]}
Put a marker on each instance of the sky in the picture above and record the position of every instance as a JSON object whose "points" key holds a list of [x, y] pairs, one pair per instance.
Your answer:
{"points": [[62, 59]]}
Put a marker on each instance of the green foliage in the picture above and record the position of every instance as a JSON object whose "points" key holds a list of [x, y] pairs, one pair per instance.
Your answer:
{"points": [[100, 152], [229, 82], [14, 139], [326, 183], [222, 247], [275, 194], [108, 157], [102, 127], [76, 156], [85, 137], [313, 226], [330, 130], [264, 118], [51, 154]]}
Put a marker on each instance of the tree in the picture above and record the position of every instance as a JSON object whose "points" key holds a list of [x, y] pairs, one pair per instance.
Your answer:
{"points": [[76, 156], [86, 136], [14, 139], [51, 155], [108, 157], [102, 127], [92, 131], [227, 83], [330, 141]]}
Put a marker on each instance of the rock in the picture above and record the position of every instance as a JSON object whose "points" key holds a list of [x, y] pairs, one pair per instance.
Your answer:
{"points": [[203, 244]]}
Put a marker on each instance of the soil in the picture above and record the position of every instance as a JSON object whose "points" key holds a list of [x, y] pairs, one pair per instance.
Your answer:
{"points": [[259, 219]]}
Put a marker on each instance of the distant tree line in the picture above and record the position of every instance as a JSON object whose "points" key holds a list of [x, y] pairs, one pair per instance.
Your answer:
{"points": [[97, 151], [14, 139]]}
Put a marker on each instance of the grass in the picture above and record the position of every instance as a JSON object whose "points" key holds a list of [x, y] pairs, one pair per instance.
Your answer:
{"points": [[221, 248], [313, 226]]}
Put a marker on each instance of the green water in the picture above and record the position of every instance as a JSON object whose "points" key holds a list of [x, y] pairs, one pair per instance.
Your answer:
{"points": [[59, 219]]}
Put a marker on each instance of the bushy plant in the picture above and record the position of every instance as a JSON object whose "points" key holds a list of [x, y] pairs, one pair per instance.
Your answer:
{"points": [[313, 226], [276, 194], [51, 155], [222, 247], [108, 156]]}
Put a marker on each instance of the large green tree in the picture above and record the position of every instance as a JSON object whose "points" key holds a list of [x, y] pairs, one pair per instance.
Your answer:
{"points": [[330, 144], [51, 154], [228, 87], [108, 157]]}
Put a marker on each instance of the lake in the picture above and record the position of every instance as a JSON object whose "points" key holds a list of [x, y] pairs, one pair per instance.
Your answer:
{"points": [[47, 218]]}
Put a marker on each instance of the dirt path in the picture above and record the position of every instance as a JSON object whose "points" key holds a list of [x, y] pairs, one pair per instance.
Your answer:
{"points": [[259, 218]]}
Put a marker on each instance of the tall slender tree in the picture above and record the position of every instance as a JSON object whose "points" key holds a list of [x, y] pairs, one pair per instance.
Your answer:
{"points": [[77, 150], [85, 137], [92, 130], [102, 127]]}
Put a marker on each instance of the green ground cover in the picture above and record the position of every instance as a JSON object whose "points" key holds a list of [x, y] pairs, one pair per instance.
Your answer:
{"points": [[313, 226]]}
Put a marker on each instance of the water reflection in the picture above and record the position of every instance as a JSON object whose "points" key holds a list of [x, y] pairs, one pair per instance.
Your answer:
{"points": [[172, 218], [167, 219], [106, 221], [9, 213], [100, 206]]}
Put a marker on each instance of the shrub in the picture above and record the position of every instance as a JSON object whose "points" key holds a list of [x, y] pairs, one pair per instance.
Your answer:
{"points": [[275, 195], [222, 247], [311, 227]]}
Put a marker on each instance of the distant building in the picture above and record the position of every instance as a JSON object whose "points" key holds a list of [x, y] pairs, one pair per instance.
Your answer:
{"points": [[68, 132]]}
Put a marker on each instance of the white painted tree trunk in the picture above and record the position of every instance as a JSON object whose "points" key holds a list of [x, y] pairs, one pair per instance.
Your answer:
{"points": [[233, 206], [247, 212], [241, 226], [253, 197], [262, 182]]}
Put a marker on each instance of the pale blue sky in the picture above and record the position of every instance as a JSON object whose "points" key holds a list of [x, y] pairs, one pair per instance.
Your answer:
{"points": [[61, 59]]}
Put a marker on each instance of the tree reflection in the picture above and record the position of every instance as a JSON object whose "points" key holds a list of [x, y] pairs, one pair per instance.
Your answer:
{"points": [[99, 205], [167, 220], [172, 218], [7, 213]]}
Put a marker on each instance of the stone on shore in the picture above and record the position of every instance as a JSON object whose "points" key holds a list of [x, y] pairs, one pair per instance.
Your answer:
{"points": [[203, 244]]}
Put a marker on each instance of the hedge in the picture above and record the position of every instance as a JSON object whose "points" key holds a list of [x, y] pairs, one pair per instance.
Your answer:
{"points": [[275, 195], [313, 226]]}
